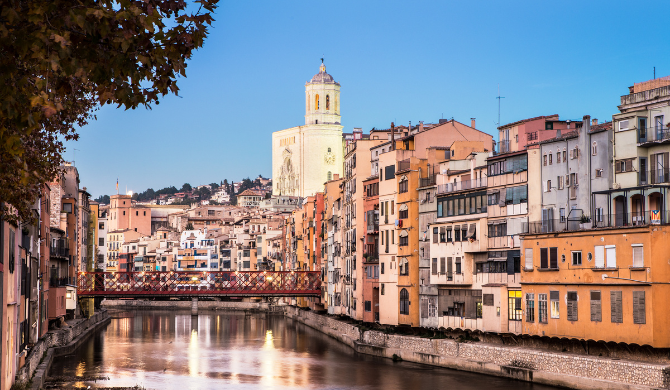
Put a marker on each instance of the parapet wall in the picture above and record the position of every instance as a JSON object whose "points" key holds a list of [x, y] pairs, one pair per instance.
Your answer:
{"points": [[553, 368]]}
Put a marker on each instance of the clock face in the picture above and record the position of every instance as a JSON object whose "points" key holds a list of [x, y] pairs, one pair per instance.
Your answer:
{"points": [[330, 158]]}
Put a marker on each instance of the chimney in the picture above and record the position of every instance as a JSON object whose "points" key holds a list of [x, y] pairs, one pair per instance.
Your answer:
{"points": [[594, 121], [472, 123], [392, 136], [336, 176], [420, 126]]}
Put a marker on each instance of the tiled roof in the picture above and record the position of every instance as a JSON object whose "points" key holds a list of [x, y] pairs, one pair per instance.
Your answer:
{"points": [[249, 193], [527, 120]]}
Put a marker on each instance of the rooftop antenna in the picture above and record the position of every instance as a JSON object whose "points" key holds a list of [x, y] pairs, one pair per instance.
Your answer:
{"points": [[499, 97], [74, 157], [654, 73]]}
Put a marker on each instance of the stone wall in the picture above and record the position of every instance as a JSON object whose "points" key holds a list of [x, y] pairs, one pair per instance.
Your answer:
{"points": [[57, 338], [534, 365]]}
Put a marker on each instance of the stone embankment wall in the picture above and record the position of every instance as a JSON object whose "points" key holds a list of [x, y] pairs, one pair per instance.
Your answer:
{"points": [[533, 365], [58, 342], [186, 305]]}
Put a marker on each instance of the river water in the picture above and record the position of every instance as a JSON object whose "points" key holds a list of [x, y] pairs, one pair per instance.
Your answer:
{"points": [[174, 350]]}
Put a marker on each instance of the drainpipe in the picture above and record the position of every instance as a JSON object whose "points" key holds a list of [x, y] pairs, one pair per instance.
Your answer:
{"points": [[2, 258]]}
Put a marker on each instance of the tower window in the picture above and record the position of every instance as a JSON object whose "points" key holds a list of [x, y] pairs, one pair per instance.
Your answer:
{"points": [[327, 102], [330, 176], [328, 150], [316, 101]]}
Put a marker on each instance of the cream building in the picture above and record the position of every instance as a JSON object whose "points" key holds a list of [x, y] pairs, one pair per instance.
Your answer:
{"points": [[305, 157]]}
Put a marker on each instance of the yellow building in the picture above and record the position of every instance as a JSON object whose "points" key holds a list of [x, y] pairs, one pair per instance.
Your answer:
{"points": [[304, 157]]}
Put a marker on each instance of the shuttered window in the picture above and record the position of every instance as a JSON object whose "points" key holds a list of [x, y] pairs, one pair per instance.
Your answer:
{"points": [[596, 306], [488, 299], [600, 256], [544, 258], [424, 307], [610, 252], [572, 306], [458, 265], [639, 313], [435, 235], [450, 272], [638, 256], [434, 269], [442, 267], [530, 307], [542, 308], [529, 258], [616, 307], [553, 258]]}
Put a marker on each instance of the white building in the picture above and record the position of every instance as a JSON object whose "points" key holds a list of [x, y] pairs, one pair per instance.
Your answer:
{"points": [[197, 252], [305, 157]]}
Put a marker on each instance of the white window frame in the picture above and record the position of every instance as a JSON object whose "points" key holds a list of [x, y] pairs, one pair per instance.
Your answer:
{"points": [[573, 253], [528, 254], [638, 261], [621, 125], [610, 256]]}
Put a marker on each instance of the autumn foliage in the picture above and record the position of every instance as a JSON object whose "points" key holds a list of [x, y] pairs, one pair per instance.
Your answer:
{"points": [[60, 60]]}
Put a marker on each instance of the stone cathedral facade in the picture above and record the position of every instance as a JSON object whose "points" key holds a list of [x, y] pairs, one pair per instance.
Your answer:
{"points": [[305, 157]]}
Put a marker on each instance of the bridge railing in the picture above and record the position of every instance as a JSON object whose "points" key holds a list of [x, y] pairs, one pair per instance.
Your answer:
{"points": [[240, 283]]}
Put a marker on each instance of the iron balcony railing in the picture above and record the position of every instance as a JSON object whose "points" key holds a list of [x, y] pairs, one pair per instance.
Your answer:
{"points": [[462, 185], [60, 248], [503, 146], [552, 225], [427, 181], [655, 176], [61, 282], [653, 134], [628, 219]]}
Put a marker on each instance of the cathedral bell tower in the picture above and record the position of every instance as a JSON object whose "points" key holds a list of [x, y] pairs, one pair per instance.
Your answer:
{"points": [[322, 99]]}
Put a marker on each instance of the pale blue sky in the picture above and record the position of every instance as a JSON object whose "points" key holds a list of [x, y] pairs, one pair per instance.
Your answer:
{"points": [[396, 61]]}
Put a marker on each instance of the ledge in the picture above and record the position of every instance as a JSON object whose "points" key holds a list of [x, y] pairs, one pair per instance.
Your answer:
{"points": [[604, 269]]}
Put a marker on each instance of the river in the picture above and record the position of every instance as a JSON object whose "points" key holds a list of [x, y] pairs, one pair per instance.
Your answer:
{"points": [[174, 350]]}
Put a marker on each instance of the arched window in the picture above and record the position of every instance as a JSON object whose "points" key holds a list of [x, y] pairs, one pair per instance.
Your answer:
{"points": [[316, 102], [404, 301], [330, 176], [328, 150], [327, 102]]}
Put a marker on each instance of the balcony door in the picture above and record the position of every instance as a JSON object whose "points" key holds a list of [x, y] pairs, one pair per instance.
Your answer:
{"points": [[658, 127], [642, 129]]}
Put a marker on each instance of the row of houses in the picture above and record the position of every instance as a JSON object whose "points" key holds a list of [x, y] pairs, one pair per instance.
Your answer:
{"points": [[560, 232]]}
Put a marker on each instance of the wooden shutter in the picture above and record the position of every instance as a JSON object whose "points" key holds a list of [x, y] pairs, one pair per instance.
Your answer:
{"points": [[434, 235], [638, 256], [572, 306], [424, 307], [487, 299], [639, 313], [543, 258], [442, 234], [600, 256], [596, 306], [528, 257], [442, 267], [449, 267], [434, 270], [553, 258], [616, 306], [611, 256]]}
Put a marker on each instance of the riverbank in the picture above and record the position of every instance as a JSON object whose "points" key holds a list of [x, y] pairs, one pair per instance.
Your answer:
{"points": [[526, 364], [58, 342], [131, 304]]}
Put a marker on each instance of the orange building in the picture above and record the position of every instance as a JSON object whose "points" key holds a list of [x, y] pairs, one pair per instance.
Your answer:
{"points": [[123, 215], [605, 285]]}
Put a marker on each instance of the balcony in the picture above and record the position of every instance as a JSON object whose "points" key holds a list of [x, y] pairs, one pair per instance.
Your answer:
{"points": [[427, 181], [656, 176], [503, 146], [403, 165], [461, 185], [61, 282], [631, 219], [652, 136], [60, 248], [554, 225]]}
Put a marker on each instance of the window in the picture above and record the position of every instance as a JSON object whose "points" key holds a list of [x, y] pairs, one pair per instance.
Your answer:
{"points": [[548, 186], [458, 265], [638, 256], [572, 306], [403, 214], [544, 160], [550, 158], [596, 306], [599, 172], [554, 298], [316, 102], [101, 226], [368, 306], [443, 234], [449, 236], [516, 195], [443, 263], [381, 292], [528, 256], [549, 258], [493, 199], [610, 256], [532, 136], [327, 102], [558, 157], [101, 241], [67, 208], [577, 258], [403, 240], [594, 148], [457, 233], [514, 305], [565, 156], [530, 307], [137, 213], [404, 301], [498, 230], [600, 256], [625, 165], [616, 307], [623, 125], [404, 266], [433, 270], [329, 177], [403, 185], [639, 314], [542, 308], [548, 125], [561, 182], [435, 235]]}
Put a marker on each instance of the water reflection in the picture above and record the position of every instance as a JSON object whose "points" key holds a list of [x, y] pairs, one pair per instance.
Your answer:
{"points": [[168, 350]]}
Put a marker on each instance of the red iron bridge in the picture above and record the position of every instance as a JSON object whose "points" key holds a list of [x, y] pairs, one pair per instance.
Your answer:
{"points": [[199, 284]]}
